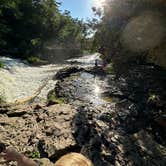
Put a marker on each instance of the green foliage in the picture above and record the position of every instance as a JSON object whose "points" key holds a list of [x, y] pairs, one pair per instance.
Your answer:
{"points": [[110, 69], [60, 101], [1, 65], [153, 98], [36, 42], [26, 25], [2, 99], [35, 154], [35, 60], [53, 99]]}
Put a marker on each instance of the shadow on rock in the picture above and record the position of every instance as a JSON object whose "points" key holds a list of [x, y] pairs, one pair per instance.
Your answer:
{"points": [[103, 138], [87, 136]]}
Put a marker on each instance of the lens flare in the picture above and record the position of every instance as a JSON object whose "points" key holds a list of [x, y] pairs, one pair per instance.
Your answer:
{"points": [[144, 32], [98, 3]]}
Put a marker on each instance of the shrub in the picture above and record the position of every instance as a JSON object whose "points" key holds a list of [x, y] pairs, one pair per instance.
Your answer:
{"points": [[33, 59], [1, 65], [52, 98], [35, 154], [2, 99], [110, 69]]}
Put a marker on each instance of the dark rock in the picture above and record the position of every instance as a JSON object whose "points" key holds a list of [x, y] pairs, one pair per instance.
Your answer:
{"points": [[96, 71], [66, 72]]}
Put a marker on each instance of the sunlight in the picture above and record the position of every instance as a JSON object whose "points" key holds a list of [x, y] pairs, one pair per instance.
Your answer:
{"points": [[97, 3], [97, 89]]}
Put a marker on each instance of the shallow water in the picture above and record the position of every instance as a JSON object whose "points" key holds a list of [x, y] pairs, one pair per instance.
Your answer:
{"points": [[85, 87]]}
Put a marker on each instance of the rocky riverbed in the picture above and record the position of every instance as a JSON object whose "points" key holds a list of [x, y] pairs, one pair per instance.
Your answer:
{"points": [[121, 129], [21, 81]]}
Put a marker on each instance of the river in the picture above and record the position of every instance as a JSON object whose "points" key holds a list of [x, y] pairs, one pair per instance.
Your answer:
{"points": [[19, 81]]}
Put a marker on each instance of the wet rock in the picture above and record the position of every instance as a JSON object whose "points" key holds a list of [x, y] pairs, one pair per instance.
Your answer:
{"points": [[161, 121], [83, 87], [97, 70], [66, 72]]}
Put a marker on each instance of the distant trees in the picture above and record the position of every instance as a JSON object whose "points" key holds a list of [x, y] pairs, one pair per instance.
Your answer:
{"points": [[25, 25]]}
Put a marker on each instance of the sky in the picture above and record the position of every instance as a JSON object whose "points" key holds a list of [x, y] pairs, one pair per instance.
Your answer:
{"points": [[79, 8]]}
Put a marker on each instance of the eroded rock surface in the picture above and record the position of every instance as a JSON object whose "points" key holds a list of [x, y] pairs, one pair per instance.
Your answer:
{"points": [[104, 139], [100, 133], [124, 132], [39, 129]]}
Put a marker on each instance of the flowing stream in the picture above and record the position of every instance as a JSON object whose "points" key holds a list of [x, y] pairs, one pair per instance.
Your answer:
{"points": [[19, 80]]}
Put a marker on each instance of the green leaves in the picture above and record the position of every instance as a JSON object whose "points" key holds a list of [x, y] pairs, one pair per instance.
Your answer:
{"points": [[36, 42], [1, 65], [35, 154], [26, 25]]}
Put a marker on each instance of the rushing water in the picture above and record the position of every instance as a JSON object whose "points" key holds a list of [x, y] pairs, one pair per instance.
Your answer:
{"points": [[86, 61], [19, 80]]}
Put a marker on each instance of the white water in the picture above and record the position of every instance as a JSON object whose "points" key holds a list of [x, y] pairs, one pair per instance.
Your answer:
{"points": [[87, 60], [19, 80]]}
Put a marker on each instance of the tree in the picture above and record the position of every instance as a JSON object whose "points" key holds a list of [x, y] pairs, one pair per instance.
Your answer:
{"points": [[27, 24]]}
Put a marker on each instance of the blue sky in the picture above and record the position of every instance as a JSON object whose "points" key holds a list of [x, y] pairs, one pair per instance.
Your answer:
{"points": [[78, 8]]}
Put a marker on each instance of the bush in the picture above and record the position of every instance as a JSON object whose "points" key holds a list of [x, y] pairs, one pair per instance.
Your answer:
{"points": [[2, 65], [2, 100], [35, 60], [35, 154], [53, 99], [110, 69]]}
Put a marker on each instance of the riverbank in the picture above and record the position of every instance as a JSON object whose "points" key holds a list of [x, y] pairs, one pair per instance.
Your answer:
{"points": [[113, 121], [115, 133], [138, 106]]}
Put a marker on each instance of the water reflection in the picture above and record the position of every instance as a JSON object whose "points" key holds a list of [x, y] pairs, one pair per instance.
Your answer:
{"points": [[96, 90]]}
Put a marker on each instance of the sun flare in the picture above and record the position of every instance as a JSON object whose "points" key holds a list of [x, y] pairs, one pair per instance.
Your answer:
{"points": [[98, 3]]}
